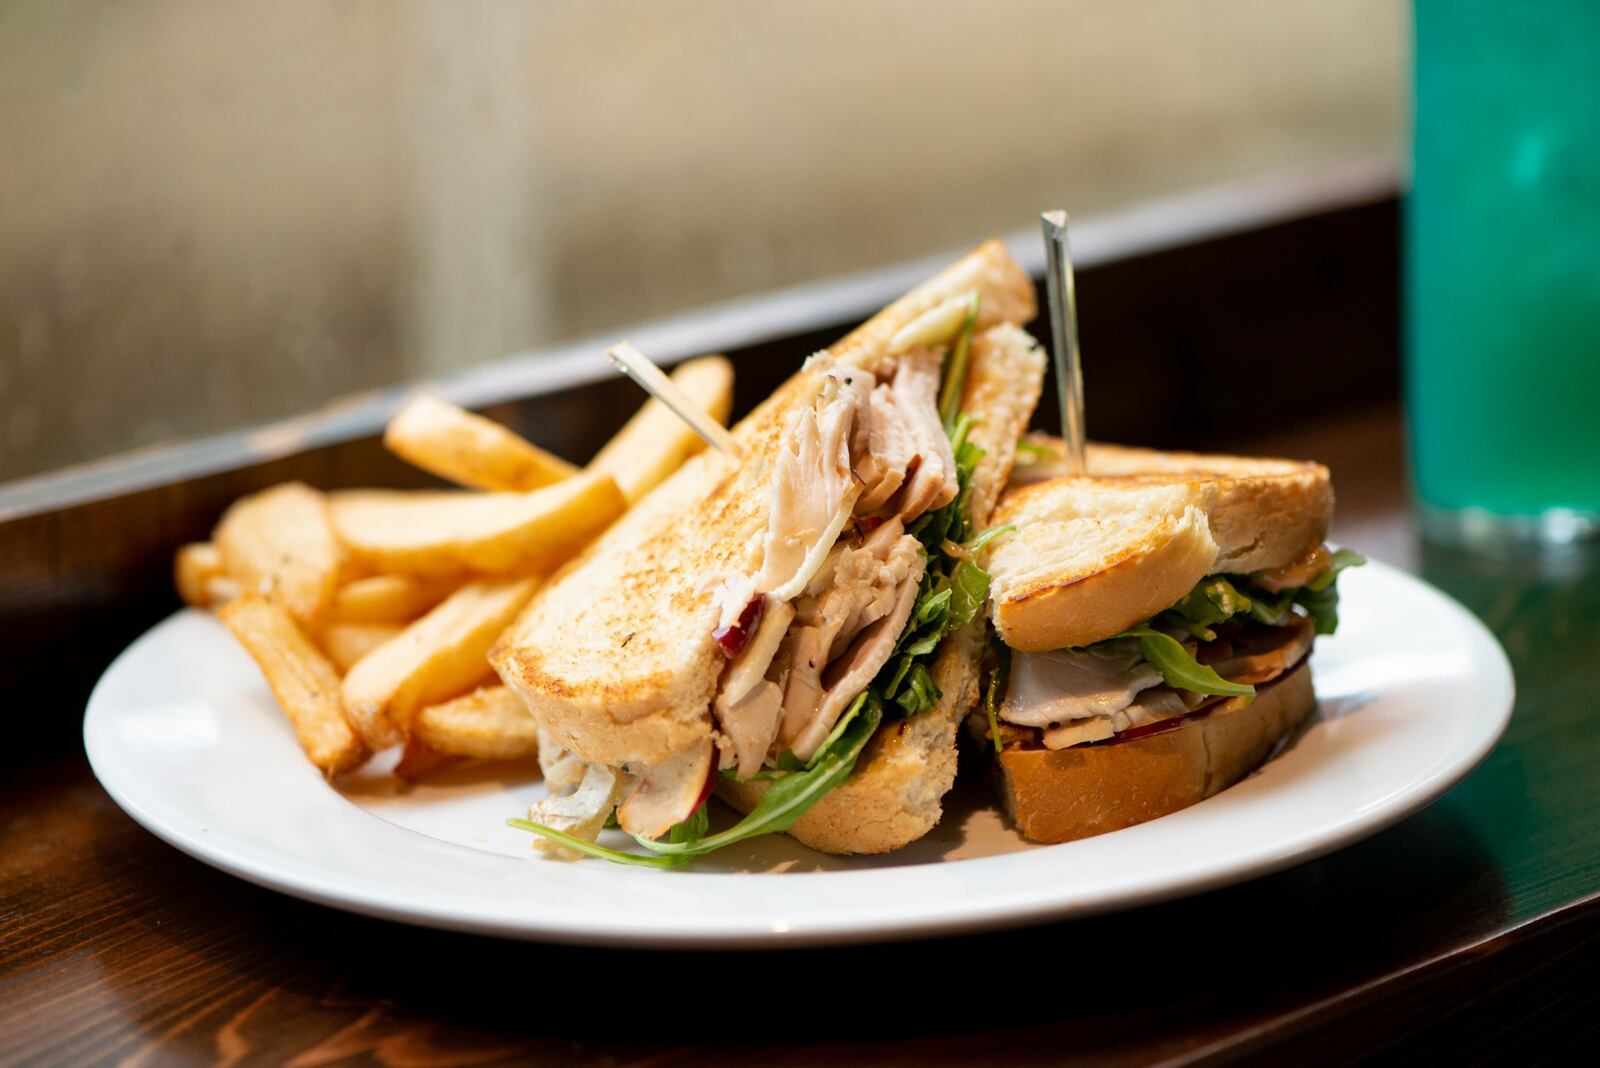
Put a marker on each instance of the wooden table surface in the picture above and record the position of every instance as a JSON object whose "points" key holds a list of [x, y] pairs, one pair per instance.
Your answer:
{"points": [[1469, 929]]}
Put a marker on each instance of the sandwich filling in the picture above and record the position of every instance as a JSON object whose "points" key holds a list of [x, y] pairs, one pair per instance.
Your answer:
{"points": [[1228, 635], [867, 563], [840, 573]]}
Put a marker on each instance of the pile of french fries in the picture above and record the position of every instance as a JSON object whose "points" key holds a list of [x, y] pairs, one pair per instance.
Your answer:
{"points": [[371, 612]]}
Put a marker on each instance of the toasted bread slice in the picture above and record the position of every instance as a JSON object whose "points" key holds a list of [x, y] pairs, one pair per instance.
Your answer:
{"points": [[895, 794], [615, 655], [1058, 795], [1095, 555]]}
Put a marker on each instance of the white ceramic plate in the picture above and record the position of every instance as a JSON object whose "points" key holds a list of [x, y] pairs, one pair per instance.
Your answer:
{"points": [[183, 733]]}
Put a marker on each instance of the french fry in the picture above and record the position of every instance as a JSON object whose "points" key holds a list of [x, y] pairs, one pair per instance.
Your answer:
{"points": [[654, 443], [468, 449], [418, 760], [491, 723], [445, 533], [221, 589], [439, 656], [280, 542], [347, 643], [386, 599], [300, 677], [194, 567]]}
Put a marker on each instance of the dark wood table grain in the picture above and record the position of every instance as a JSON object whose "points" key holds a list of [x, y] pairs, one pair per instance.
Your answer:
{"points": [[1469, 930]]}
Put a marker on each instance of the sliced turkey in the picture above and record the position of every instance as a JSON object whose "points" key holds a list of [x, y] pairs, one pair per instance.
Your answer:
{"points": [[1050, 689], [885, 451], [853, 613], [931, 478], [813, 490]]}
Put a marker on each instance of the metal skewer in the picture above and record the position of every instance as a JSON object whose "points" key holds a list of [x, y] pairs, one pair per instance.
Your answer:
{"points": [[639, 367], [1064, 336]]}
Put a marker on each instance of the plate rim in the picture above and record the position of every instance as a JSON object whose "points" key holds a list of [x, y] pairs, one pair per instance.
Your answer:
{"points": [[952, 918]]}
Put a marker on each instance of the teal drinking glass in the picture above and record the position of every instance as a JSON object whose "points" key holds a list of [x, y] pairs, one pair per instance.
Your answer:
{"points": [[1502, 232]]}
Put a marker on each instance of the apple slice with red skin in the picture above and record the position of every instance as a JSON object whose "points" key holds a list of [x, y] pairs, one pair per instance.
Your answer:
{"points": [[670, 792]]}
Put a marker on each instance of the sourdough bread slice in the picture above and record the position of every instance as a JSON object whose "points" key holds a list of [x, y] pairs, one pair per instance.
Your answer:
{"points": [[1095, 555], [1059, 795]]}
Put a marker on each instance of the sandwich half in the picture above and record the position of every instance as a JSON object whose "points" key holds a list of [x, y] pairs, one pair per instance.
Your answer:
{"points": [[799, 626], [1157, 617]]}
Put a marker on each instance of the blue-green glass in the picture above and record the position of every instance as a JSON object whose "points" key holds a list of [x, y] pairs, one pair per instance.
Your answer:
{"points": [[1503, 256]]}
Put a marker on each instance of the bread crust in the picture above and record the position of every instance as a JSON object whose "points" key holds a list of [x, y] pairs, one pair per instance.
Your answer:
{"points": [[1091, 557], [1062, 795], [1154, 563]]}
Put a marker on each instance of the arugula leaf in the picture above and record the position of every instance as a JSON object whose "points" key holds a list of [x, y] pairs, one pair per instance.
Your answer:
{"points": [[976, 544], [1180, 670], [1342, 559], [932, 608], [692, 829], [593, 849], [969, 587], [1220, 598], [1213, 600], [997, 681], [785, 763], [1320, 596], [788, 798], [832, 741], [1033, 448], [1272, 609], [920, 692]]}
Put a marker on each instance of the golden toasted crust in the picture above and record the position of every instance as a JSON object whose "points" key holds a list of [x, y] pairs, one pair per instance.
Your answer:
{"points": [[1064, 794], [1094, 555], [1129, 568], [615, 656], [1006, 292], [895, 794], [1264, 511]]}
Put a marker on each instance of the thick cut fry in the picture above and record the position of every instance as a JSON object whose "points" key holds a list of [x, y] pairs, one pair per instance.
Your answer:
{"points": [[439, 656], [279, 542], [444, 533], [491, 723], [387, 599], [305, 684], [347, 643], [418, 760], [193, 568], [220, 589], [468, 449], [655, 442]]}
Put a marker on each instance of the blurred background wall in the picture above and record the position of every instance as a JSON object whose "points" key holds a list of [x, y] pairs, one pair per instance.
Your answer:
{"points": [[218, 213]]}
